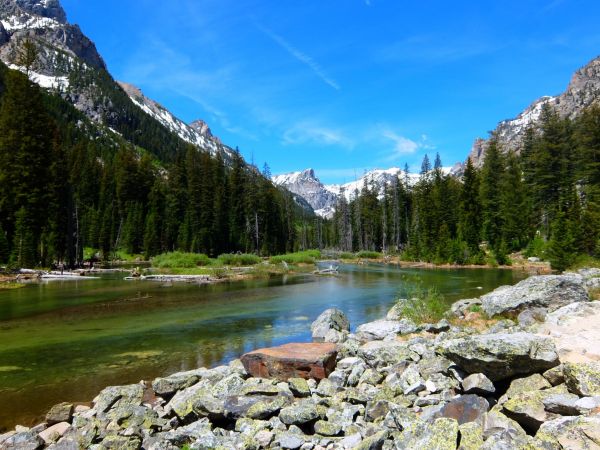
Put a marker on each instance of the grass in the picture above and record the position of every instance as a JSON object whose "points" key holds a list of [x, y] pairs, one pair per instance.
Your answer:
{"points": [[585, 261], [122, 255], [369, 255], [244, 259], [475, 308], [305, 257], [347, 255], [423, 305], [180, 260]]}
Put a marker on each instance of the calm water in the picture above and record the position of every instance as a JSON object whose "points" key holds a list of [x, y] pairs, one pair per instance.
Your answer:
{"points": [[65, 341]]}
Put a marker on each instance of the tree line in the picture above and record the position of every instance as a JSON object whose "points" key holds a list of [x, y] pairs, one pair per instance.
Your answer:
{"points": [[544, 199], [67, 185]]}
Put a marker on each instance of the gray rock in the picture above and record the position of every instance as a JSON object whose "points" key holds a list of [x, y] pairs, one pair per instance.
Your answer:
{"points": [[464, 409], [532, 316], [63, 412], [374, 442], [289, 440], [380, 353], [471, 436], [500, 356], [371, 376], [396, 311], [546, 291], [177, 381], [114, 396], [573, 312], [379, 330], [555, 376], [331, 326], [494, 422], [528, 408], [442, 434], [228, 386], [299, 413], [327, 428], [183, 401], [462, 307], [299, 387], [25, 440], [534, 382], [441, 326], [411, 381], [563, 404], [583, 378], [587, 405], [326, 388], [571, 432], [349, 363], [478, 383]]}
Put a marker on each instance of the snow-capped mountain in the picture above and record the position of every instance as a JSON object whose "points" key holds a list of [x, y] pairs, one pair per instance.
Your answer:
{"points": [[197, 132], [582, 91], [378, 177]]}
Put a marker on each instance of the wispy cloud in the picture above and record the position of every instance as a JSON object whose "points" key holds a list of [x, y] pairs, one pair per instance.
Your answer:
{"points": [[306, 132], [395, 146], [300, 56]]}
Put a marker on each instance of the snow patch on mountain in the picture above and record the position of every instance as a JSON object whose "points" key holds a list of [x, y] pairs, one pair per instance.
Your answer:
{"points": [[14, 23], [46, 81]]}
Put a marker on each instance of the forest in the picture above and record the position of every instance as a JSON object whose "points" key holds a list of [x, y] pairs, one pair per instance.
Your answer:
{"points": [[67, 185], [545, 200]]}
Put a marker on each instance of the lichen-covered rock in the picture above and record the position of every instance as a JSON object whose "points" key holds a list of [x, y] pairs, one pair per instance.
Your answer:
{"points": [[289, 440], [471, 436], [570, 433], [331, 326], [300, 413], [534, 382], [381, 329], [374, 442], [500, 356], [177, 381], [326, 428], [114, 396], [583, 378], [25, 440], [59, 413], [546, 291], [299, 387], [442, 434], [380, 353], [555, 376], [496, 422], [563, 404], [478, 383], [528, 408], [183, 401]]}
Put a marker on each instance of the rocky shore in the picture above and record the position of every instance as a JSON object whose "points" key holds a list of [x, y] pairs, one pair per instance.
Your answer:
{"points": [[518, 368]]}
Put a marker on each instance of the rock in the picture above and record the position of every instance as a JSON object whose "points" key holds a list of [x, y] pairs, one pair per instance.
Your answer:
{"points": [[555, 375], [478, 383], [573, 312], [299, 413], [374, 442], [25, 440], [316, 360], [500, 356], [289, 440], [349, 363], [264, 438], [463, 409], [506, 440], [299, 387], [380, 329], [183, 401], [178, 381], [122, 442], [462, 307], [571, 433], [546, 291], [563, 404], [442, 434], [583, 378], [63, 412], [331, 326], [494, 422], [55, 432], [370, 376], [471, 436], [528, 408], [350, 441], [534, 382], [435, 328], [228, 386], [114, 396], [532, 316], [326, 388], [380, 353], [265, 409], [327, 428], [588, 405], [396, 312], [410, 381], [208, 406]]}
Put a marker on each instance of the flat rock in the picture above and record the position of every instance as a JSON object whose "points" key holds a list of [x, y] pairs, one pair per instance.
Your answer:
{"points": [[503, 355], [55, 432], [545, 291], [535, 382], [299, 413], [114, 396], [314, 360], [381, 329], [528, 408], [331, 326], [177, 381]]}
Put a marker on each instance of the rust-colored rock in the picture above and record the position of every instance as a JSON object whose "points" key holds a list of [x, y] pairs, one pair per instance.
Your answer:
{"points": [[313, 360]]}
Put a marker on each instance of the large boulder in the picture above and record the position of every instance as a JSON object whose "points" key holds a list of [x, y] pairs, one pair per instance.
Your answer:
{"points": [[316, 361], [545, 291], [583, 378], [331, 326], [500, 356], [571, 432]]}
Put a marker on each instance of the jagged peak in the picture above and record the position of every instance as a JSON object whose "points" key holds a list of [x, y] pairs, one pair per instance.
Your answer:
{"points": [[201, 127], [50, 9]]}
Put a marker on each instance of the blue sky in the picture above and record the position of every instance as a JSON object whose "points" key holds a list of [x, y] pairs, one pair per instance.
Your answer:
{"points": [[344, 85]]}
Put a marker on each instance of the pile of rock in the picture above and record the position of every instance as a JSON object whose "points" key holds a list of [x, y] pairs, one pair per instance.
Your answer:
{"points": [[392, 385]]}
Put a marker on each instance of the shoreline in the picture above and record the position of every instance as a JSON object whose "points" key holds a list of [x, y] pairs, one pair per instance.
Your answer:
{"points": [[373, 335]]}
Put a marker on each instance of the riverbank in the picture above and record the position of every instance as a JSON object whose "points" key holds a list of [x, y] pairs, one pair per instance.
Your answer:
{"points": [[475, 381]]}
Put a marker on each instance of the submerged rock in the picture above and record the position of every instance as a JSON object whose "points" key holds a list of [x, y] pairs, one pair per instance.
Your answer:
{"points": [[545, 291], [503, 355]]}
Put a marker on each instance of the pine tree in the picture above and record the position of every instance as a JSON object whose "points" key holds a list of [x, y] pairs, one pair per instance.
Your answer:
{"points": [[491, 193], [4, 249], [470, 209], [437, 165], [425, 165]]}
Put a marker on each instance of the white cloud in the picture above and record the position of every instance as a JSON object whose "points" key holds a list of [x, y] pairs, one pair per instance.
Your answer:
{"points": [[302, 133], [300, 56]]}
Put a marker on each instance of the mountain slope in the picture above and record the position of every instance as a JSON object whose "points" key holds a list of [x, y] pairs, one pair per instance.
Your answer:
{"points": [[582, 92]]}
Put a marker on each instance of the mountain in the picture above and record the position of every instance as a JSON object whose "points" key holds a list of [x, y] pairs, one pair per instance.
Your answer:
{"points": [[582, 92], [306, 185], [323, 198]]}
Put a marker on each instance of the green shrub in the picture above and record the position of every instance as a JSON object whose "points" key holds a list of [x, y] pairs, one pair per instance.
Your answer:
{"points": [[347, 255], [422, 305], [245, 259], [305, 257], [537, 247], [369, 255], [180, 259]]}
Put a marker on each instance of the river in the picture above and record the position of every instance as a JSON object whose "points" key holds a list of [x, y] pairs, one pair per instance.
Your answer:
{"points": [[65, 341]]}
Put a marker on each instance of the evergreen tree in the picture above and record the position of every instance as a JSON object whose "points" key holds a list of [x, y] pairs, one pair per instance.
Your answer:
{"points": [[470, 209], [491, 193], [425, 165]]}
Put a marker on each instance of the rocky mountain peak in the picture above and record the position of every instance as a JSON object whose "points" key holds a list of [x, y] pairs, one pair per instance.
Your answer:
{"points": [[201, 127], [44, 8], [582, 91]]}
